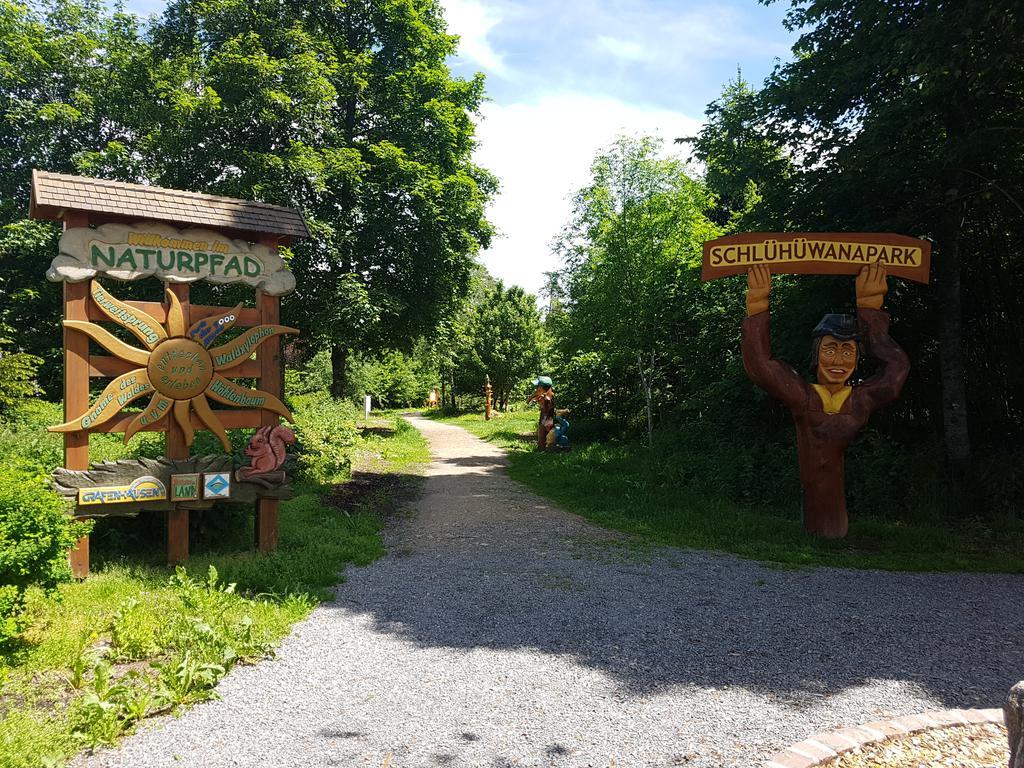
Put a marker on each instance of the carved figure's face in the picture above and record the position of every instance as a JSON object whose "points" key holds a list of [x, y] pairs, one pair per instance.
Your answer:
{"points": [[837, 360], [257, 446]]}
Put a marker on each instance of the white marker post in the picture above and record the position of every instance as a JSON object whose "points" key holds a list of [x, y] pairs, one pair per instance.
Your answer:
{"points": [[366, 407]]}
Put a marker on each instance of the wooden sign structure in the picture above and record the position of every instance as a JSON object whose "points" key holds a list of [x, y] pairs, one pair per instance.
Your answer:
{"points": [[488, 397], [817, 253], [129, 232]]}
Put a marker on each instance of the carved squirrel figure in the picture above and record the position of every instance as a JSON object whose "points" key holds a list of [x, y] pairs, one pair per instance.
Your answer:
{"points": [[266, 451]]}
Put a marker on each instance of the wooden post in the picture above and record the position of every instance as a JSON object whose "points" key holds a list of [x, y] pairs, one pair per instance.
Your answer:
{"points": [[76, 388], [176, 448], [272, 381], [1013, 713], [487, 397]]}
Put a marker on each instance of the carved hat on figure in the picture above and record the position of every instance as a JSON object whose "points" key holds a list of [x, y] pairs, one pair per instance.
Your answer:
{"points": [[843, 327]]}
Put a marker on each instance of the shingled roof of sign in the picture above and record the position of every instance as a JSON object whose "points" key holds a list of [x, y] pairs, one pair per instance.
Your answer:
{"points": [[54, 193]]}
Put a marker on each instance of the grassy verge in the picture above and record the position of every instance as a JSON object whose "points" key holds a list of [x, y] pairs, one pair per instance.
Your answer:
{"points": [[137, 639], [628, 487]]}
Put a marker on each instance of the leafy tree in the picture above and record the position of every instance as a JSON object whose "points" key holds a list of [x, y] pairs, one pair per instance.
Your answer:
{"points": [[632, 245], [345, 110], [348, 111], [72, 79], [506, 342], [17, 375], [905, 116], [743, 163]]}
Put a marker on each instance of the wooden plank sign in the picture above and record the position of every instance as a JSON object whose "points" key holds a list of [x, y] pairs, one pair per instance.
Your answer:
{"points": [[817, 253]]}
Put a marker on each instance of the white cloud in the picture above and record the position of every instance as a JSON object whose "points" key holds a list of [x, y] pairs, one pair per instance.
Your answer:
{"points": [[628, 50], [542, 151], [473, 22]]}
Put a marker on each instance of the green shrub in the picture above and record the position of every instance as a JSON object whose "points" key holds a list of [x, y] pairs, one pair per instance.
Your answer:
{"points": [[393, 379], [314, 376], [1001, 484], [17, 376], [326, 430], [134, 628], [24, 442], [35, 536]]}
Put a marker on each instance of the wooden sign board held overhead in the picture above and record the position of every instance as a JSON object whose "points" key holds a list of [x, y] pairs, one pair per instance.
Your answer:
{"points": [[817, 253]]}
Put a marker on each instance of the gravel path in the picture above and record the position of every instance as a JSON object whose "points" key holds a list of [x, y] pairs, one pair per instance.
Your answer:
{"points": [[501, 631]]}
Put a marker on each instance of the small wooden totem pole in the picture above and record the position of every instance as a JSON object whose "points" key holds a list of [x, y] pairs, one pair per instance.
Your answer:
{"points": [[488, 395]]}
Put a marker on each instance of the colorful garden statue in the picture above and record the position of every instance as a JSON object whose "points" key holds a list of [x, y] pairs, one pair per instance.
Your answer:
{"points": [[267, 453], [561, 431], [552, 427], [829, 414], [544, 396]]}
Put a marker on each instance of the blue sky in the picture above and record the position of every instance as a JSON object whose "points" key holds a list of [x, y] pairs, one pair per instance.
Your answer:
{"points": [[566, 76]]}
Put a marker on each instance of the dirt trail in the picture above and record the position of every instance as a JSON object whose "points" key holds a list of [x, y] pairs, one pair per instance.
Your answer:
{"points": [[502, 631]]}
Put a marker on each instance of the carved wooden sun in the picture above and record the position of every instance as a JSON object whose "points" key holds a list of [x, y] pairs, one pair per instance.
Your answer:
{"points": [[177, 366]]}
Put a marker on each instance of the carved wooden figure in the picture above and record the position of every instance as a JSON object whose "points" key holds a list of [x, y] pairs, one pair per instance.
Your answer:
{"points": [[830, 413], [267, 451], [544, 396]]}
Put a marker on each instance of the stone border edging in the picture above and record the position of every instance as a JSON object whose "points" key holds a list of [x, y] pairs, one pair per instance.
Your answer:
{"points": [[831, 744]]}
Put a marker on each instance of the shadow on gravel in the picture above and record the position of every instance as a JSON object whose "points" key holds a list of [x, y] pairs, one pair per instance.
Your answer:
{"points": [[487, 462], [364, 486], [478, 571]]}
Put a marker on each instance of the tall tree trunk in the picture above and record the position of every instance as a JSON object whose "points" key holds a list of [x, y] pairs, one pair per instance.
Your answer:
{"points": [[947, 272], [339, 370], [646, 382], [451, 389]]}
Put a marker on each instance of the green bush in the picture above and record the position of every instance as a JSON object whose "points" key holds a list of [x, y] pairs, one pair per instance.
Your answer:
{"points": [[393, 380], [314, 376], [326, 431], [35, 536], [201, 629], [1001, 484], [17, 376]]}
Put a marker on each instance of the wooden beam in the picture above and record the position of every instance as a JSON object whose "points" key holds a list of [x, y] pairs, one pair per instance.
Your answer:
{"points": [[177, 534], [76, 389], [272, 381], [76, 375], [104, 366]]}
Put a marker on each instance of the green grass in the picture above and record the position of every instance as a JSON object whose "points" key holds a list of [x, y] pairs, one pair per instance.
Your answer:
{"points": [[628, 487], [83, 668], [394, 440]]}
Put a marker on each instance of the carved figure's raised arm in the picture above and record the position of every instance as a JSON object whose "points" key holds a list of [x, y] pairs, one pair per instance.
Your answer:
{"points": [[775, 377], [885, 386]]}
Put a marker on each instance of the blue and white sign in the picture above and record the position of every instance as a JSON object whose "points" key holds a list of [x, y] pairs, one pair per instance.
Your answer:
{"points": [[217, 485]]}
